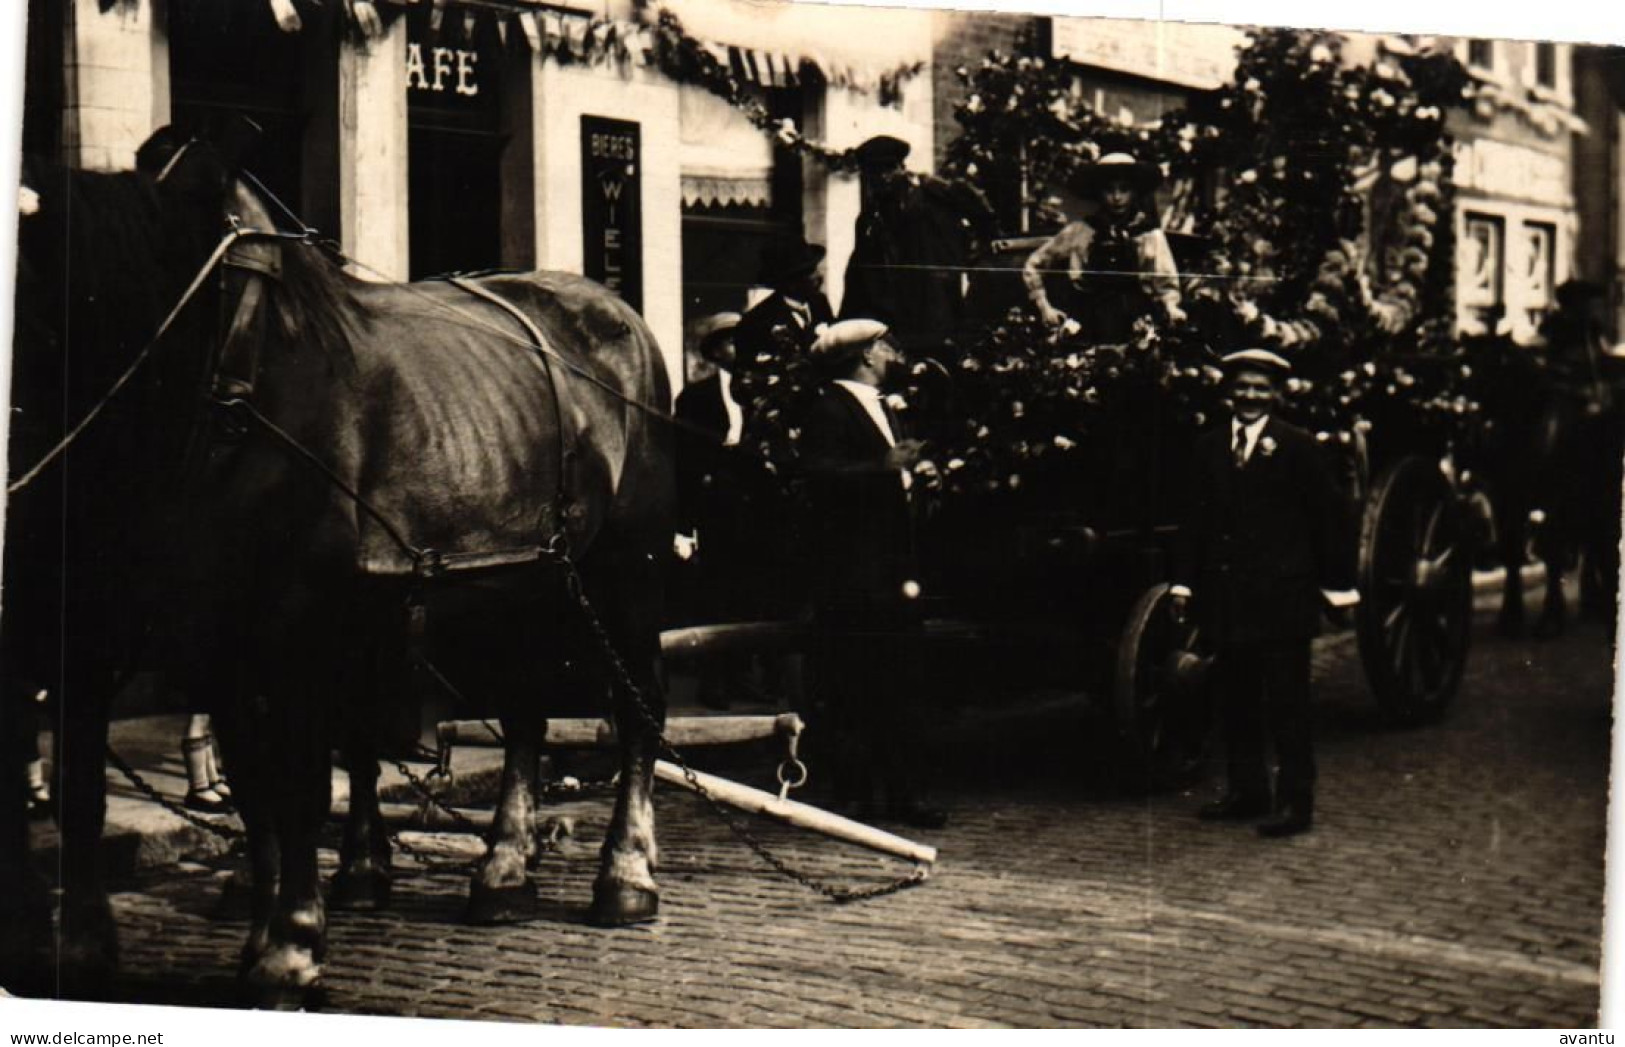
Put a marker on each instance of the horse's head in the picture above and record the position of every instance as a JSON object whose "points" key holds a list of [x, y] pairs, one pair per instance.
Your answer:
{"points": [[131, 295]]}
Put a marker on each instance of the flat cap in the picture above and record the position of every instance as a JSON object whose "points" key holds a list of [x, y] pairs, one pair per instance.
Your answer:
{"points": [[1256, 360], [882, 151], [845, 339]]}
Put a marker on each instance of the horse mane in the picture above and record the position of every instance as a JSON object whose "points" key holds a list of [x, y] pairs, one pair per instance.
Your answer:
{"points": [[315, 299], [111, 242]]}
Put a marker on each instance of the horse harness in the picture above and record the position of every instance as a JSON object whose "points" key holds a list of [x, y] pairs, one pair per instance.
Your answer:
{"points": [[247, 268], [230, 386]]}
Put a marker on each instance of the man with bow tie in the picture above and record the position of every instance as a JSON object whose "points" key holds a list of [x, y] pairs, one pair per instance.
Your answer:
{"points": [[1263, 548], [866, 592]]}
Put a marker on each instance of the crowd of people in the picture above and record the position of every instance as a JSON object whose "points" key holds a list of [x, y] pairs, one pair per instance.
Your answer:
{"points": [[1259, 545], [1262, 551]]}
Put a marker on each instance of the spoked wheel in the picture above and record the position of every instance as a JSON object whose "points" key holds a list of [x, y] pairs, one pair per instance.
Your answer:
{"points": [[1160, 693], [1416, 591]]}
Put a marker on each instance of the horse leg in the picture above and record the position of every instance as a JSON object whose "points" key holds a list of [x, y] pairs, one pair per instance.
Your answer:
{"points": [[88, 951], [1553, 549], [364, 878], [1512, 529], [501, 890], [298, 792], [627, 600], [25, 900]]}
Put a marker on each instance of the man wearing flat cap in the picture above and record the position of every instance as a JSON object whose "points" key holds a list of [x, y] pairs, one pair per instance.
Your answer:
{"points": [[915, 237], [1263, 548], [866, 592]]}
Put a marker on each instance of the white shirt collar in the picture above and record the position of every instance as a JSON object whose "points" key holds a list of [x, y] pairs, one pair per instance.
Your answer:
{"points": [[730, 406], [869, 397], [1252, 430]]}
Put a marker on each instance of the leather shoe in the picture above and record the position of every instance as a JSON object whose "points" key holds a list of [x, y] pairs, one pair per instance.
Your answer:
{"points": [[1234, 807], [917, 815], [1292, 820]]}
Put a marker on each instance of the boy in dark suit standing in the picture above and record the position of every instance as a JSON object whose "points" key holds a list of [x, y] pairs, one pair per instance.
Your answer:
{"points": [[1263, 546], [866, 595]]}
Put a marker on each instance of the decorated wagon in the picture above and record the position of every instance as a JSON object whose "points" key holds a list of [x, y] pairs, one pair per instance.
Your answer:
{"points": [[1308, 204]]}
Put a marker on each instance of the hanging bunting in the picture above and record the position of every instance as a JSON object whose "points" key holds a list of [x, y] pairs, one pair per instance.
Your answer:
{"points": [[532, 29]]}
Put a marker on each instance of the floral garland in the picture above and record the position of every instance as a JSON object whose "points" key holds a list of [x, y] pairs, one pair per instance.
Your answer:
{"points": [[656, 36], [689, 61]]}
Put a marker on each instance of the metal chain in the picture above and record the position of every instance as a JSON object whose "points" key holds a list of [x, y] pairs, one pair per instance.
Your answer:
{"points": [[559, 550], [229, 833]]}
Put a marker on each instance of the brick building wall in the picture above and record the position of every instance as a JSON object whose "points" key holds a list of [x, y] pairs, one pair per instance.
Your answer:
{"points": [[963, 39]]}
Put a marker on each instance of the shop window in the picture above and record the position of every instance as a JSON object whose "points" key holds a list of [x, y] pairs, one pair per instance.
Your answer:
{"points": [[1546, 66], [1481, 55], [1480, 264], [739, 194], [1538, 271], [231, 59]]}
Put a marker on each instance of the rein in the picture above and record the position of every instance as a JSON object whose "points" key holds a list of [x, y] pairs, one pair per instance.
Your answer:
{"points": [[210, 264], [229, 390]]}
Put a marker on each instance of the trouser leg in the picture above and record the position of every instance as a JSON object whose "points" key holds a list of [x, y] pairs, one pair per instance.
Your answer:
{"points": [[1286, 684], [1242, 698]]}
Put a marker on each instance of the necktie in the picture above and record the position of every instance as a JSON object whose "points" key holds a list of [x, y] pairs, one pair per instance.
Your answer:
{"points": [[1239, 451], [891, 420]]}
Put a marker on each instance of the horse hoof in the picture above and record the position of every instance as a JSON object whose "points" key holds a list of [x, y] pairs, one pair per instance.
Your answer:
{"points": [[365, 889], [282, 978], [87, 956], [495, 905], [622, 905]]}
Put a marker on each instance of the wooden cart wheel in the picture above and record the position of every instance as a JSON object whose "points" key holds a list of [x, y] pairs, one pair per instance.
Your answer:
{"points": [[1416, 591], [1160, 693]]}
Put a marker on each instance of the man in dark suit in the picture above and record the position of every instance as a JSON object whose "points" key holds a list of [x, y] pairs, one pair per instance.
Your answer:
{"points": [[866, 595], [1263, 546], [716, 485], [789, 319], [915, 237]]}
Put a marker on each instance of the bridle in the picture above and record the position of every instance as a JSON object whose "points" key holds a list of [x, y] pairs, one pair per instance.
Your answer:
{"points": [[213, 262]]}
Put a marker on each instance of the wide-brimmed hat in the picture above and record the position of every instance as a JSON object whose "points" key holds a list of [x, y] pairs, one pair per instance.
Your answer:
{"points": [[882, 151], [784, 260], [710, 329], [843, 341], [1088, 178], [1261, 360]]}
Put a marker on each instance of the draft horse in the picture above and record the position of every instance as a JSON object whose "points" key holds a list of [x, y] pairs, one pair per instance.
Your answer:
{"points": [[307, 484], [1554, 445]]}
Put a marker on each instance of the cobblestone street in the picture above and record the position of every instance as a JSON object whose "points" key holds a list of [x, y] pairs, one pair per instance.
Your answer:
{"points": [[1454, 878]]}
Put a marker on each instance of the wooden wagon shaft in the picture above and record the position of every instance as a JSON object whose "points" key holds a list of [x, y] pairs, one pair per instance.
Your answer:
{"points": [[704, 641], [754, 801], [600, 734], [800, 815]]}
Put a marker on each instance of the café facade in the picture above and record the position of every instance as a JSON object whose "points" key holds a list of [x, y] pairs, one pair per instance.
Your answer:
{"points": [[457, 135]]}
